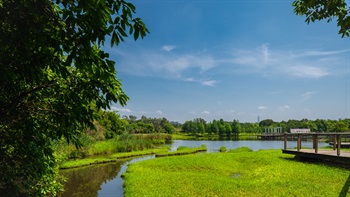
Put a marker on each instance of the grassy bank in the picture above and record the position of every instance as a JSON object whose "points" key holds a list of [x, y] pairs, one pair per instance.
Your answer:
{"points": [[110, 158], [122, 143], [182, 150], [123, 146], [242, 173]]}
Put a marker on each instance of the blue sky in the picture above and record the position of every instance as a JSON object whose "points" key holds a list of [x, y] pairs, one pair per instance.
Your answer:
{"points": [[233, 59]]}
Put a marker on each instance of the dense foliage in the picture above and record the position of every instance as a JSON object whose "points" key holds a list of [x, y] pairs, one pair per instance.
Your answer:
{"points": [[53, 77], [149, 125], [325, 9]]}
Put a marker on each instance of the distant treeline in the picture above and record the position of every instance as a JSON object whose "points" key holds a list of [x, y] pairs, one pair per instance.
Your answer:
{"points": [[222, 127], [111, 124]]}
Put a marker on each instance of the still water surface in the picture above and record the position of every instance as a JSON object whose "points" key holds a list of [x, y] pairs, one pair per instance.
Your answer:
{"points": [[104, 180]]}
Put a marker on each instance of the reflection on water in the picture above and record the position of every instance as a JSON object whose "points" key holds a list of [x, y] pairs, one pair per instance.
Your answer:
{"points": [[114, 187], [87, 181], [214, 146], [98, 180]]}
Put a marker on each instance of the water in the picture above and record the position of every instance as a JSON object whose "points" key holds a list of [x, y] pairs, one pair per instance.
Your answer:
{"points": [[104, 180], [214, 146], [115, 187]]}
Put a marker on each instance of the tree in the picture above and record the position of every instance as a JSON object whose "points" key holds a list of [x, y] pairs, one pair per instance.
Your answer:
{"points": [[266, 123], [325, 9], [53, 77], [113, 124], [214, 127], [340, 126], [169, 128], [235, 127]]}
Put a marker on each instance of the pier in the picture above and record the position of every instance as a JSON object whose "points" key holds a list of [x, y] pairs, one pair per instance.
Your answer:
{"points": [[334, 154], [275, 133]]}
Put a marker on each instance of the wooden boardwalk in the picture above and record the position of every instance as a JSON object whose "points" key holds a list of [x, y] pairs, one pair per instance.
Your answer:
{"points": [[333, 155], [330, 155]]}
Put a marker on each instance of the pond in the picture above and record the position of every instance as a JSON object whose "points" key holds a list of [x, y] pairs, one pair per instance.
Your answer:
{"points": [[104, 179]]}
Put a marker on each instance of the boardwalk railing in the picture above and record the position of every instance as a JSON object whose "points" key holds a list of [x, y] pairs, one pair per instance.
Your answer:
{"points": [[336, 140]]}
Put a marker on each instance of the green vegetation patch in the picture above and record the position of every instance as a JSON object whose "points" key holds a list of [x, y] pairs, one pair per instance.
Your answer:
{"points": [[260, 173], [110, 158], [241, 150], [182, 150]]}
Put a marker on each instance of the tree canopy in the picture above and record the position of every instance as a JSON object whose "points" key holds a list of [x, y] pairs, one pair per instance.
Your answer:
{"points": [[53, 77], [325, 9]]}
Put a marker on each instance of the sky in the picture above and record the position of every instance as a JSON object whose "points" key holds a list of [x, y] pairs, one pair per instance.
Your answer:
{"points": [[233, 59]]}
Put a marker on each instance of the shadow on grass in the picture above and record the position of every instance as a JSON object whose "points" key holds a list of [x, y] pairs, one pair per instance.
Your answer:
{"points": [[345, 189], [337, 164]]}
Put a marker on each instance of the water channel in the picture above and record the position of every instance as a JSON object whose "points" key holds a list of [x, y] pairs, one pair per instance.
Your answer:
{"points": [[104, 180]]}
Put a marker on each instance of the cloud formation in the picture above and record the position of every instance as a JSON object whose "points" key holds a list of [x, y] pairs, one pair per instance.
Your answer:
{"points": [[206, 112], [159, 112], [168, 48], [307, 96], [125, 110], [262, 107], [261, 60], [284, 107]]}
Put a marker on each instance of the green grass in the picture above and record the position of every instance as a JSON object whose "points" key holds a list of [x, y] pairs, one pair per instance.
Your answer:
{"points": [[110, 158], [243, 173], [241, 150], [182, 136], [182, 150]]}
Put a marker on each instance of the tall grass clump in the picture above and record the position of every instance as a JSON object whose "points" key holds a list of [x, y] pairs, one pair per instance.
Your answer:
{"points": [[121, 143]]}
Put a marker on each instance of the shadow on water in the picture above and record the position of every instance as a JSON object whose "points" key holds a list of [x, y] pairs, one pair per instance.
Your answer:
{"points": [[345, 189]]}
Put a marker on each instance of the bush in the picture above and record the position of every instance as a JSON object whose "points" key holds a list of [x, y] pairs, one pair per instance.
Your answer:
{"points": [[223, 149]]}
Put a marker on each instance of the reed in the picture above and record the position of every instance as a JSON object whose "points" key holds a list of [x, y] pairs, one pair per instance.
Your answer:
{"points": [[122, 143]]}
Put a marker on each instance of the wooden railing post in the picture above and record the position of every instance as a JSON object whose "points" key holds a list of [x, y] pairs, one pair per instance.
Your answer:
{"points": [[285, 141], [334, 142], [299, 142], [338, 144], [316, 143]]}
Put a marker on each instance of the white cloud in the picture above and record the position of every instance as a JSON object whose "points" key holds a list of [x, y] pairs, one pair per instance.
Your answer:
{"points": [[189, 79], [324, 53], [159, 112], [258, 58], [206, 112], [262, 107], [125, 110], [262, 60], [306, 71], [209, 82], [168, 48], [206, 82], [169, 65], [284, 107], [301, 64], [307, 95]]}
